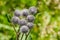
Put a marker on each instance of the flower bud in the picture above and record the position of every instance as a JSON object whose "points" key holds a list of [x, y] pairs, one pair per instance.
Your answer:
{"points": [[17, 13], [24, 29], [30, 25], [15, 20], [22, 22], [30, 18], [25, 12], [33, 10]]}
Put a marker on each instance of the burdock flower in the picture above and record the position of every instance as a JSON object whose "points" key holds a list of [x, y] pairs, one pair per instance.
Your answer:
{"points": [[30, 25], [33, 10], [22, 22], [15, 20], [24, 29], [30, 18], [25, 12], [17, 13]]}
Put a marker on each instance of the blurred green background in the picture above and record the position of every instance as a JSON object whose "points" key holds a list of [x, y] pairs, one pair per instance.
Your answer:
{"points": [[47, 19]]}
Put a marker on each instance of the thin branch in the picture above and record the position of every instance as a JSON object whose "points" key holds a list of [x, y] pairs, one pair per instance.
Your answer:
{"points": [[22, 36], [27, 35], [14, 27], [18, 34], [19, 30]]}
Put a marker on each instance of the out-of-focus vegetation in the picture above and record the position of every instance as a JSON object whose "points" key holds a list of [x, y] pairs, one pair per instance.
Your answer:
{"points": [[47, 19]]}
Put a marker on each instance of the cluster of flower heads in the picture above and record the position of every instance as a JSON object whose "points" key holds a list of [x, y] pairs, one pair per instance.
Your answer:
{"points": [[24, 18]]}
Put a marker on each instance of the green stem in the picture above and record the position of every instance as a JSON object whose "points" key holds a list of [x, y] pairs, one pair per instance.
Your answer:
{"points": [[22, 36], [18, 33], [17, 36], [14, 29], [27, 35]]}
